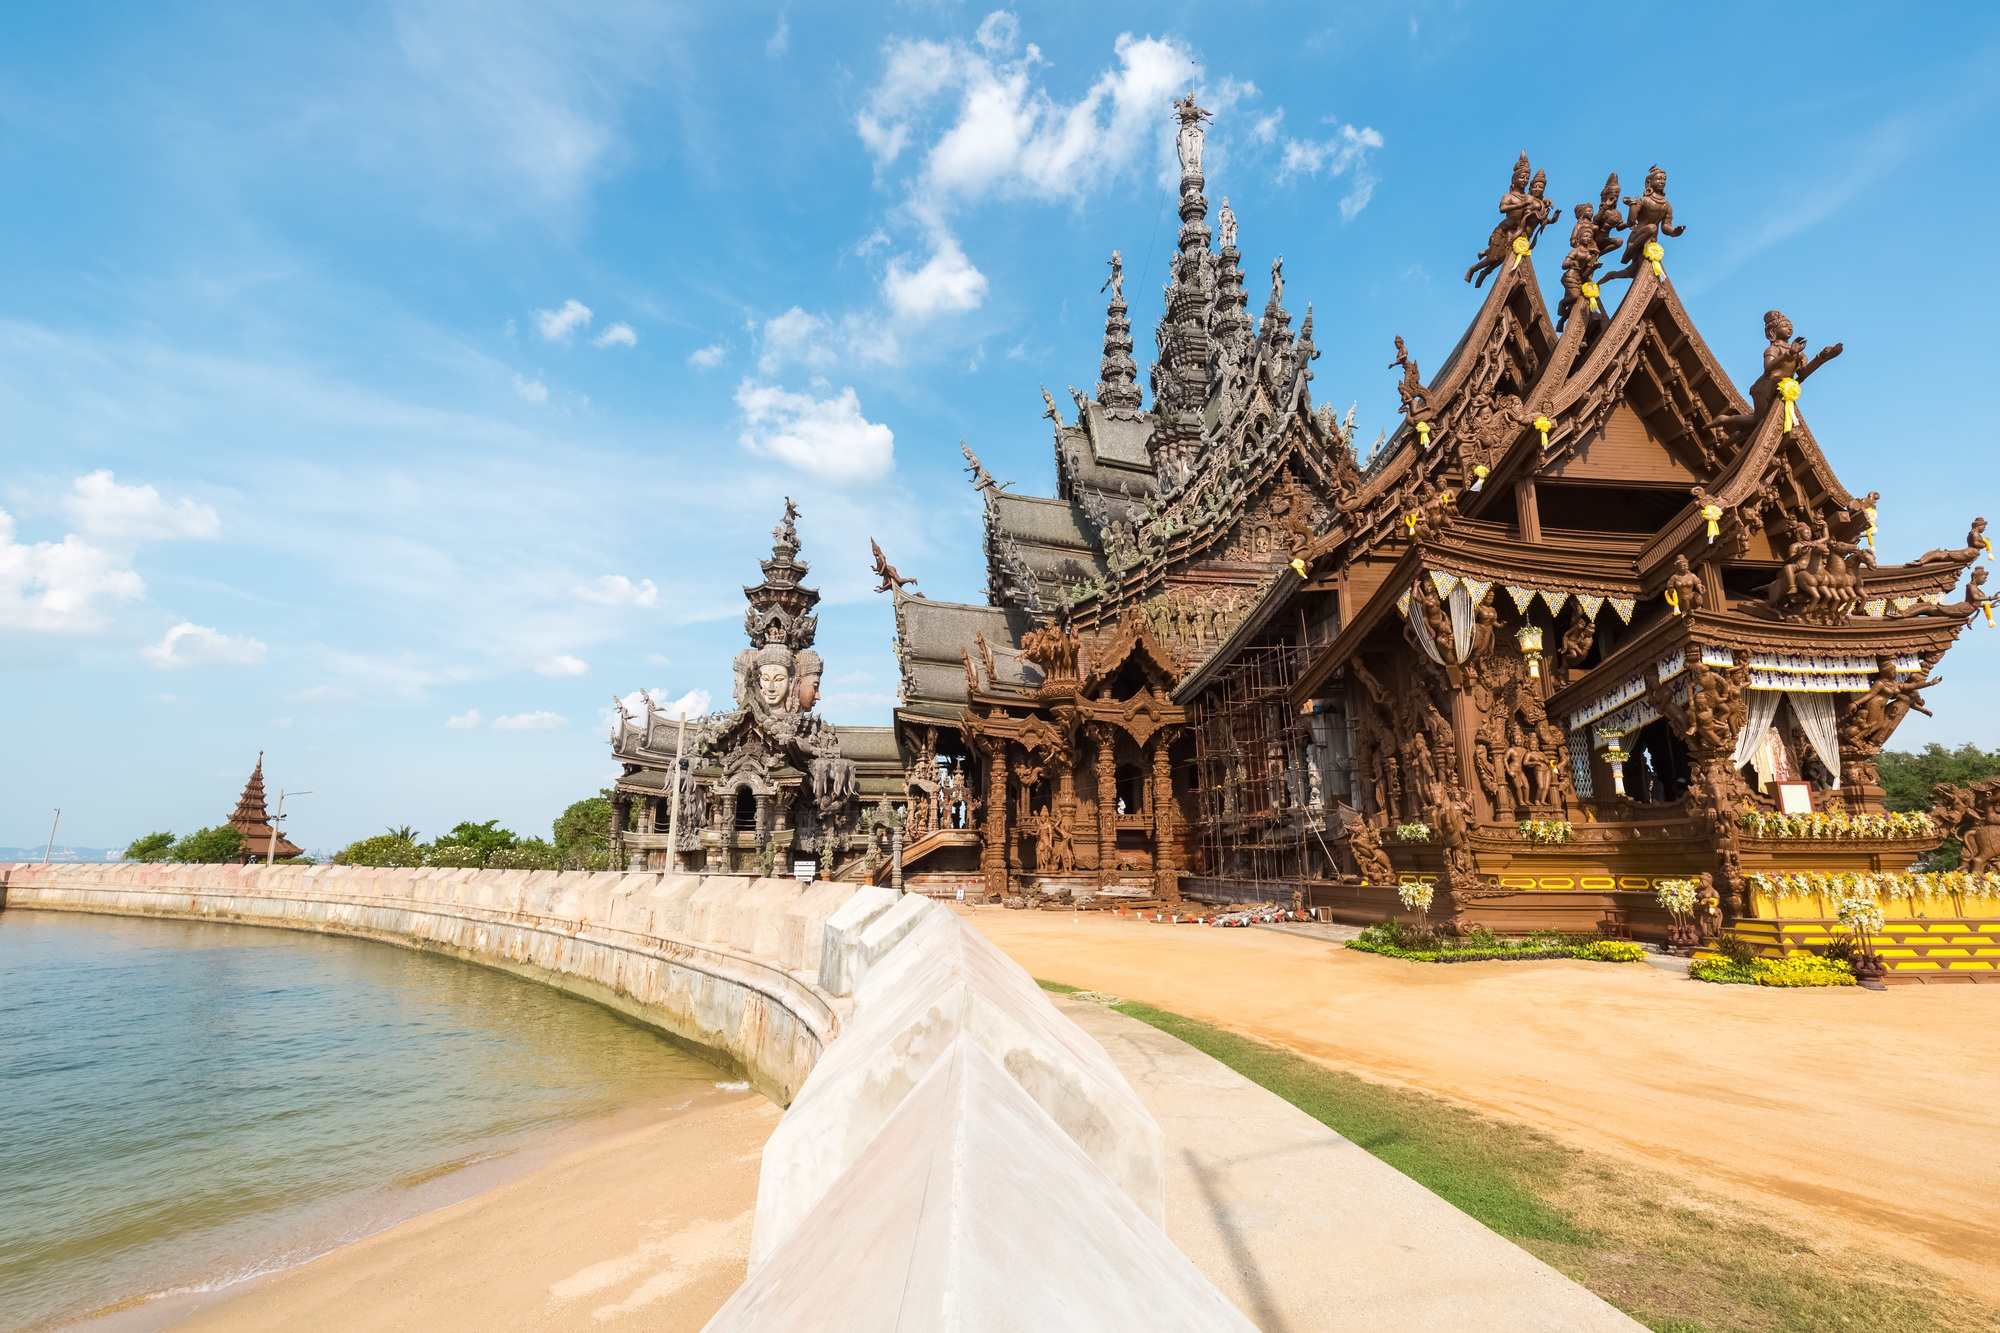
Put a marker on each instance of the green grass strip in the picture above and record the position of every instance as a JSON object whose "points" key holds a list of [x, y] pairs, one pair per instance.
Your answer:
{"points": [[1480, 1166]]}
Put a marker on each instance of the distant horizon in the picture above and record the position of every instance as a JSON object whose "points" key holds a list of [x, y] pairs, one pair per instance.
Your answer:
{"points": [[390, 388]]}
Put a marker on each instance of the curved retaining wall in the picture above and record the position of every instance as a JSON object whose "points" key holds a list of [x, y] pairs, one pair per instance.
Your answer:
{"points": [[964, 1157], [726, 964]]}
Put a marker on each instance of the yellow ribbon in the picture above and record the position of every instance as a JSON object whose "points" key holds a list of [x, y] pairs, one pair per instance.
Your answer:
{"points": [[1788, 389], [1544, 425], [1521, 249], [1479, 475], [1423, 434], [1590, 290], [1987, 542], [1410, 522], [1870, 533], [1987, 607], [1713, 513], [1655, 253], [1674, 600], [1298, 567]]}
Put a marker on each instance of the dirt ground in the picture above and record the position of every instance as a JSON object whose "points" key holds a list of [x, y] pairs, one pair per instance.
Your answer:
{"points": [[1870, 1118]]}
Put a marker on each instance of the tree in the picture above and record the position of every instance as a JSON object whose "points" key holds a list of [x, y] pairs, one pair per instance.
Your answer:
{"points": [[470, 845], [1907, 778], [394, 848], [526, 854], [152, 847], [583, 834], [209, 846]]}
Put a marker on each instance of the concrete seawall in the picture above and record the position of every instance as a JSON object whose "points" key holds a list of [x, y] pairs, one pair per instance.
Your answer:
{"points": [[726, 964]]}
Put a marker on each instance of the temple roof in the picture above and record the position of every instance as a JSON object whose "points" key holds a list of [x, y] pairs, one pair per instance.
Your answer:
{"points": [[253, 821]]}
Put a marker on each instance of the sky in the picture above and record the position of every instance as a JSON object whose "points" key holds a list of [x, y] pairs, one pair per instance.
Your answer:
{"points": [[385, 387]]}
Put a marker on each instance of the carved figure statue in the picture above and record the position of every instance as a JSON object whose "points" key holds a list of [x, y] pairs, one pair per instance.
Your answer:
{"points": [[774, 664], [1608, 219], [1052, 412], [1975, 546], [1652, 218], [1365, 845], [1514, 206], [1416, 399], [1053, 649], [1784, 358], [1187, 140], [1116, 282], [1514, 762], [1979, 803], [1226, 222], [1687, 587], [982, 480], [1580, 264], [1975, 597], [891, 580], [1868, 722]]}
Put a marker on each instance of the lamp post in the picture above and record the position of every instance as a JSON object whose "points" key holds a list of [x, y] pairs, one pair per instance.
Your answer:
{"points": [[1530, 639], [1614, 755], [271, 849]]}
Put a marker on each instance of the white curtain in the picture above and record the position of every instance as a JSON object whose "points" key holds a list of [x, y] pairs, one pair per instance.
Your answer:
{"points": [[1818, 719], [1461, 605], [1415, 615], [1763, 707]]}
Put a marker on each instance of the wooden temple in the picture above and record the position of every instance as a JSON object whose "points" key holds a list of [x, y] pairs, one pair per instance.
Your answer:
{"points": [[1590, 619], [261, 842]]}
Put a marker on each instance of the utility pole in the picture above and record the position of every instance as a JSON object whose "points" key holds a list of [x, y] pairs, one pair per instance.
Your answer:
{"points": [[49, 850], [271, 851], [674, 811]]}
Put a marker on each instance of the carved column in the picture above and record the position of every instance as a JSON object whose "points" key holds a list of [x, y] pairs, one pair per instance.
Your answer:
{"points": [[621, 811], [1166, 856], [993, 852], [1106, 741], [1464, 734]]}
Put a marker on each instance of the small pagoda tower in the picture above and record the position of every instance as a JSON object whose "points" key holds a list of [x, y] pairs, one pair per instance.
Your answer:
{"points": [[254, 822]]}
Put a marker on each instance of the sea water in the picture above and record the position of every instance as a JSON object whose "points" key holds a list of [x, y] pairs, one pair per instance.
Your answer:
{"points": [[184, 1106]]}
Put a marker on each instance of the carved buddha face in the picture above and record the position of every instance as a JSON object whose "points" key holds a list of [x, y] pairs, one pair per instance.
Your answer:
{"points": [[774, 683], [808, 692]]}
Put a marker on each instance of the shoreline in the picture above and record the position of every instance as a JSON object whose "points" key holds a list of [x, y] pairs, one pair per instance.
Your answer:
{"points": [[696, 1134]]}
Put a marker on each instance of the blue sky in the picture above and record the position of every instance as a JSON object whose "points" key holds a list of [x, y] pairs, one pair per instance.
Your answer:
{"points": [[387, 386]]}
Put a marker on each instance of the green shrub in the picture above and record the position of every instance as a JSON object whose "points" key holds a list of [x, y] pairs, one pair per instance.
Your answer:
{"points": [[394, 848], [152, 847], [1799, 969], [1737, 950], [209, 846]]}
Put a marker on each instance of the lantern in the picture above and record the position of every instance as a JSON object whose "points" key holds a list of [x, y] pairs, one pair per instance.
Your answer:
{"points": [[1530, 639], [1615, 756]]}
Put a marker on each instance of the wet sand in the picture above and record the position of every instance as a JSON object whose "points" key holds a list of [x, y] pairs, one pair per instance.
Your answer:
{"points": [[1865, 1117], [648, 1228]]}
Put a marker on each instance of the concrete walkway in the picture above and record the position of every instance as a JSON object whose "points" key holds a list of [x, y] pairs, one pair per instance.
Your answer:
{"points": [[1303, 1230]]}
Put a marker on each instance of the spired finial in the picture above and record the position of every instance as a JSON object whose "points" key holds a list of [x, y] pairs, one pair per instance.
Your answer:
{"points": [[1188, 141]]}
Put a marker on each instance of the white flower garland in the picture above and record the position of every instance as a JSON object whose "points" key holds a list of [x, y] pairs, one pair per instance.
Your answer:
{"points": [[1924, 886], [1839, 824]]}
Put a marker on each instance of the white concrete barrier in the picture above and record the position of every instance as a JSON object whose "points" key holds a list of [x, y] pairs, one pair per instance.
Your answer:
{"points": [[944, 980], [972, 1211], [842, 937]]}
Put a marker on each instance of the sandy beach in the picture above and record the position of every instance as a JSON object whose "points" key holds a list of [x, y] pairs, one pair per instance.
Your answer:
{"points": [[1868, 1118], [648, 1227]]}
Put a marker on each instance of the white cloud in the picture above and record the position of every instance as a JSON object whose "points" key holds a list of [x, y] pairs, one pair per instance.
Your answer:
{"points": [[796, 336], [562, 665], [780, 41], [1007, 135], [557, 325], [1345, 153], [707, 358], [189, 645], [620, 334], [533, 391], [947, 283], [100, 507], [617, 590], [539, 721], [465, 721], [60, 586], [825, 436]]}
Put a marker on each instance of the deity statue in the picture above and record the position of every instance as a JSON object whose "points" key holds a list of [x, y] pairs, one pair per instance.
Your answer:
{"points": [[1227, 221], [1187, 142], [891, 580], [1416, 399], [1116, 282], [1686, 586], [1784, 359], [1975, 546], [774, 677], [1523, 213], [1652, 217]]}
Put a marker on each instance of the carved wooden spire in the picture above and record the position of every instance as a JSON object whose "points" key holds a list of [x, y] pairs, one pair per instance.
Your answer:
{"points": [[1118, 376]]}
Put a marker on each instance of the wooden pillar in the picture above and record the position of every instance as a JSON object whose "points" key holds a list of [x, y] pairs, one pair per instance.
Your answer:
{"points": [[1464, 733], [1106, 741], [993, 852], [621, 809], [1166, 856], [1526, 516]]}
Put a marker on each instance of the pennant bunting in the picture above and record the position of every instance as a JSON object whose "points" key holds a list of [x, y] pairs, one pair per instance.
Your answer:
{"points": [[1590, 603], [1521, 596], [1443, 582], [1623, 606], [1555, 601]]}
